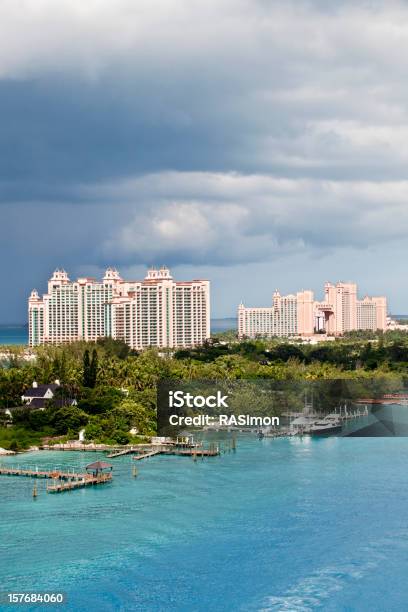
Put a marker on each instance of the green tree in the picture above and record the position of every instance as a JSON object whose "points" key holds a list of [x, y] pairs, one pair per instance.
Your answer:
{"points": [[86, 379], [135, 415], [100, 400], [93, 369], [60, 366], [69, 418]]}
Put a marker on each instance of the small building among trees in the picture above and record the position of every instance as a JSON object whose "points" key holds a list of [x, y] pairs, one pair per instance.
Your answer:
{"points": [[38, 397]]}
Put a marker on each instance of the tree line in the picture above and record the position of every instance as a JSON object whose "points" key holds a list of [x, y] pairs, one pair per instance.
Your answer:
{"points": [[115, 387]]}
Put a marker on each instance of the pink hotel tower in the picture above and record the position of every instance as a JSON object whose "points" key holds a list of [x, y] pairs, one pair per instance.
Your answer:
{"points": [[157, 311], [301, 315]]}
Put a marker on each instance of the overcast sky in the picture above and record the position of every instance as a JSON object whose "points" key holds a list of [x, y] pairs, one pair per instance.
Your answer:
{"points": [[261, 144]]}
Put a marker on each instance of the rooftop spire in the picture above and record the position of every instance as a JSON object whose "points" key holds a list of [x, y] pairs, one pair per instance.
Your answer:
{"points": [[112, 274], [155, 274]]}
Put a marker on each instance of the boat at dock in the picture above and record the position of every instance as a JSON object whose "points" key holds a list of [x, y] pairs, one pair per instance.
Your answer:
{"points": [[325, 427], [388, 399]]}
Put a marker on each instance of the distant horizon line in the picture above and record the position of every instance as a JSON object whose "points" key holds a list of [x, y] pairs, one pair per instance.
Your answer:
{"points": [[14, 324], [212, 319]]}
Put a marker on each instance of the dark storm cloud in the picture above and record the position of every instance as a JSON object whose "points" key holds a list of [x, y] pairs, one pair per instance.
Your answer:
{"points": [[217, 133], [265, 88]]}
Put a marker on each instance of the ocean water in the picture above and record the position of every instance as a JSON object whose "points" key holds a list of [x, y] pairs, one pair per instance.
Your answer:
{"points": [[286, 524], [13, 334], [222, 325]]}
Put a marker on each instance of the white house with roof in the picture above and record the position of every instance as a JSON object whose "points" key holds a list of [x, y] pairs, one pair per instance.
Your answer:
{"points": [[43, 392], [37, 396]]}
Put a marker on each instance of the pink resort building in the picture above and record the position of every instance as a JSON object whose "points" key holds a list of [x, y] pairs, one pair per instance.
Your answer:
{"points": [[300, 315], [157, 311]]}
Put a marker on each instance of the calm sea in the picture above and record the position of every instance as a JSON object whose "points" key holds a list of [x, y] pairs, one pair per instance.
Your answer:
{"points": [[221, 325], [18, 334], [13, 334], [286, 524]]}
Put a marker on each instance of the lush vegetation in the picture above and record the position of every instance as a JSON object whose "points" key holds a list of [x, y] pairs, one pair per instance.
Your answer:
{"points": [[115, 387], [357, 351]]}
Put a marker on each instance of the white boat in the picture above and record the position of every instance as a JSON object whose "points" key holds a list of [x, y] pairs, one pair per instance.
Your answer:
{"points": [[301, 424], [325, 427]]}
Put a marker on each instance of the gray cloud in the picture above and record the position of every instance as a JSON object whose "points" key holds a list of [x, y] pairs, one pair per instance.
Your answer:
{"points": [[251, 218], [280, 87]]}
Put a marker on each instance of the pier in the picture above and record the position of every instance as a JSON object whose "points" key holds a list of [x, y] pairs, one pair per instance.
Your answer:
{"points": [[63, 481], [87, 481], [181, 452], [145, 454], [123, 451], [192, 452]]}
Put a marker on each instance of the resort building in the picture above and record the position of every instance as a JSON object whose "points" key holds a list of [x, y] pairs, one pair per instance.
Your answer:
{"points": [[290, 315], [300, 315], [157, 311]]}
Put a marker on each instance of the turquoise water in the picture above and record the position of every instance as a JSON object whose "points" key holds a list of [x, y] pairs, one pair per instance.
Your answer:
{"points": [[294, 524], [13, 334]]}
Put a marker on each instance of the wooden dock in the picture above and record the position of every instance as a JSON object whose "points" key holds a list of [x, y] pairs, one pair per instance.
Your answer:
{"points": [[146, 454], [6, 471], [63, 481], [69, 485], [182, 452], [193, 452], [123, 451]]}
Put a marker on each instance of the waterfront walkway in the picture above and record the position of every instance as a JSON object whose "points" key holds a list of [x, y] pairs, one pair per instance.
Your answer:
{"points": [[146, 454], [181, 452], [63, 481], [123, 451]]}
